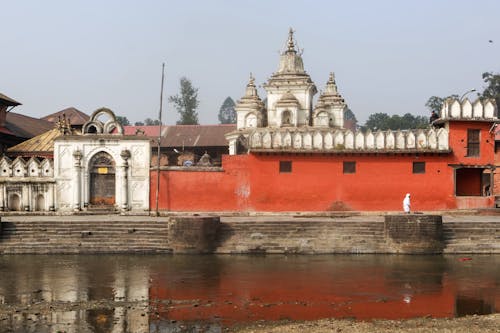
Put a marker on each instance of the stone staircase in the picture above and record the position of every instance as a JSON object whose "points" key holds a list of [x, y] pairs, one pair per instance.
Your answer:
{"points": [[361, 235], [471, 237], [84, 235]]}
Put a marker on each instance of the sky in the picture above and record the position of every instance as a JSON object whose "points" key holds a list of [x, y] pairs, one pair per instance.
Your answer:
{"points": [[388, 55]]}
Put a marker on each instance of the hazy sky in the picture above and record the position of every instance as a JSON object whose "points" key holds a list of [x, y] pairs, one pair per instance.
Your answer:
{"points": [[388, 56]]}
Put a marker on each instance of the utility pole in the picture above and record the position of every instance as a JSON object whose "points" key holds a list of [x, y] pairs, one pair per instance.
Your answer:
{"points": [[159, 140]]}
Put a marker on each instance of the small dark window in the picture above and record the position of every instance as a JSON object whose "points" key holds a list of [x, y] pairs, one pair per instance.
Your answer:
{"points": [[418, 167], [285, 166], [472, 142], [349, 167]]}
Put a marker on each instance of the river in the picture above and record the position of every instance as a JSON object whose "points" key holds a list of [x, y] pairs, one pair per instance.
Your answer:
{"points": [[208, 293]]}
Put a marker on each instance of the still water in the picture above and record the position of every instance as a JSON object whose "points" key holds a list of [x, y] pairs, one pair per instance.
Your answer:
{"points": [[188, 293]]}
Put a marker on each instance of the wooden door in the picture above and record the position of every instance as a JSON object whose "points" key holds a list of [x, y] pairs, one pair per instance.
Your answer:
{"points": [[102, 180]]}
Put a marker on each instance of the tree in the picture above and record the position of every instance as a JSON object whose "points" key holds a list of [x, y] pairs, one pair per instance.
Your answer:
{"points": [[139, 123], [122, 120], [151, 122], [186, 103], [227, 114], [493, 88], [383, 122], [435, 103]]}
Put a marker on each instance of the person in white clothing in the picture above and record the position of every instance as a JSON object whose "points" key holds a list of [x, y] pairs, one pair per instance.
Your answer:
{"points": [[406, 203]]}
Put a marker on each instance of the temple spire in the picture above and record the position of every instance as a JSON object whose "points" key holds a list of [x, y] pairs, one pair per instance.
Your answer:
{"points": [[331, 86], [291, 43]]}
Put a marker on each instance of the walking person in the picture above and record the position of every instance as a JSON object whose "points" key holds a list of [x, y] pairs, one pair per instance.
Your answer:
{"points": [[406, 203]]}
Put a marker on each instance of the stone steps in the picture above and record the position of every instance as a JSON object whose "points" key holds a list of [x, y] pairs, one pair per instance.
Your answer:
{"points": [[471, 237], [301, 237], [106, 236]]}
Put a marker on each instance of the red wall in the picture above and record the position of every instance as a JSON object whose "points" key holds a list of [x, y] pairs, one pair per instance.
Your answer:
{"points": [[317, 182]]}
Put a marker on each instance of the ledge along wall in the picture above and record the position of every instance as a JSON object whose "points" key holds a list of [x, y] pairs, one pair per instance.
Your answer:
{"points": [[316, 183], [412, 234]]}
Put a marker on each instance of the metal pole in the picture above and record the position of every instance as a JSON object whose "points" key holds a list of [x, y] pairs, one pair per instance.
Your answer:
{"points": [[159, 141]]}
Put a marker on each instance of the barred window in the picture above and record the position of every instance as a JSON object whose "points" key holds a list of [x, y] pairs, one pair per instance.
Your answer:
{"points": [[350, 167], [285, 166], [472, 142], [418, 167]]}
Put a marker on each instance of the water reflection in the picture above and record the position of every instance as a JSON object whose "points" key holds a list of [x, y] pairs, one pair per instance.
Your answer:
{"points": [[117, 293]]}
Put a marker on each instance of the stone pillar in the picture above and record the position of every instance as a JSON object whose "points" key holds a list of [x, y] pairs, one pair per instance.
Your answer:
{"points": [[50, 197], [2, 202], [195, 234], [77, 186], [86, 195], [125, 155], [25, 204], [414, 234]]}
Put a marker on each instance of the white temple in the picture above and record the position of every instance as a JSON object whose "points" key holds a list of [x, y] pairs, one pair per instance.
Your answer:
{"points": [[290, 123]]}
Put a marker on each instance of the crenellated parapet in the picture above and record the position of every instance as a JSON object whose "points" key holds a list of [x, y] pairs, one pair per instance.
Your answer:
{"points": [[20, 167], [480, 109], [343, 140], [26, 185]]}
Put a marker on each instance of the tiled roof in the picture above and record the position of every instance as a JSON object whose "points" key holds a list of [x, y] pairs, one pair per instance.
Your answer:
{"points": [[42, 143], [26, 127], [187, 135], [7, 100], [75, 116]]}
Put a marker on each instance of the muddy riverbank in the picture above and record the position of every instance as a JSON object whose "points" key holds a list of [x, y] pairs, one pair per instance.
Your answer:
{"points": [[469, 324]]}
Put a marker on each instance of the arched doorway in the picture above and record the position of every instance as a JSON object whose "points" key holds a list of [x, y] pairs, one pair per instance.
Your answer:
{"points": [[102, 180], [286, 118], [14, 202], [39, 202]]}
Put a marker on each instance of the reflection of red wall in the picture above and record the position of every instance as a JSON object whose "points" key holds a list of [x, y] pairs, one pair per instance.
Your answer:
{"points": [[274, 296], [317, 182]]}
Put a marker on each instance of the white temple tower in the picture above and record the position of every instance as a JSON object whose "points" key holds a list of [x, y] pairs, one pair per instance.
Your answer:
{"points": [[290, 90]]}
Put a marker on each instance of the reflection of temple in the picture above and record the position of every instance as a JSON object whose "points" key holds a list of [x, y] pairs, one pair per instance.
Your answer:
{"points": [[67, 286]]}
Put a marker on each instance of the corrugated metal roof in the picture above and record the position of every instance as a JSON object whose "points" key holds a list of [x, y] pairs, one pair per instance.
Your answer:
{"points": [[26, 127], [8, 101], [75, 116], [186, 135], [40, 143]]}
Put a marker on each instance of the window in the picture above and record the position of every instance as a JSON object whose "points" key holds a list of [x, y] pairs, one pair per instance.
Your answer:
{"points": [[472, 142], [418, 167], [349, 167], [285, 166]]}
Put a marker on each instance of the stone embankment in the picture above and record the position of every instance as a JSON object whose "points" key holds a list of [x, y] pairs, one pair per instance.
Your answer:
{"points": [[255, 234]]}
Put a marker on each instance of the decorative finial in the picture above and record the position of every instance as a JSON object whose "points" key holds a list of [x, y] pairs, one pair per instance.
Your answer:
{"points": [[331, 79], [63, 125], [291, 43], [251, 81]]}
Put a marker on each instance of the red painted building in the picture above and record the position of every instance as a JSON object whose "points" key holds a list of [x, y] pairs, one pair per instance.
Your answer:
{"points": [[287, 155], [343, 180]]}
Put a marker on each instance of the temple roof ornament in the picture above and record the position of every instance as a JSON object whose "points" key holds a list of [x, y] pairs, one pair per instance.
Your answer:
{"points": [[63, 125], [331, 95], [291, 43], [250, 102], [290, 60]]}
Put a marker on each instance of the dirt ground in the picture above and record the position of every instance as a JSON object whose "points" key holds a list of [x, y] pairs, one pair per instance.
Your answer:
{"points": [[471, 324]]}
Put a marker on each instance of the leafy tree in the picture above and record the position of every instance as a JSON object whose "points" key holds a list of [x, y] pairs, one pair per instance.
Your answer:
{"points": [[227, 114], [349, 115], [151, 122], [382, 121], [186, 103], [122, 120], [139, 123], [492, 89], [435, 103]]}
